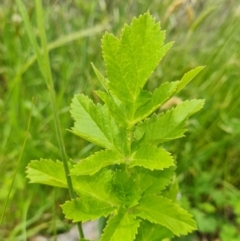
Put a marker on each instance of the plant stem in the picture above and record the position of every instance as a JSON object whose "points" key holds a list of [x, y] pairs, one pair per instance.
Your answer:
{"points": [[49, 82], [44, 65]]}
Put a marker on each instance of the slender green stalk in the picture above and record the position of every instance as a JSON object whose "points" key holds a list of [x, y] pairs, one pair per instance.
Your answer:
{"points": [[44, 65], [49, 82]]}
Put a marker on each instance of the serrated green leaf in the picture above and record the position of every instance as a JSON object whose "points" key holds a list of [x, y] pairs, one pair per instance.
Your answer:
{"points": [[129, 110], [97, 186], [146, 104], [124, 187], [188, 77], [152, 232], [95, 124], [122, 226], [47, 172], [86, 208], [159, 96], [143, 99], [151, 157], [122, 113], [97, 161], [131, 59], [149, 182], [52, 173], [114, 107], [168, 126], [160, 210], [86, 116]]}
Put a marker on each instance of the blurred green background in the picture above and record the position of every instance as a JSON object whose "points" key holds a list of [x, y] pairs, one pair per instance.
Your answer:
{"points": [[206, 32]]}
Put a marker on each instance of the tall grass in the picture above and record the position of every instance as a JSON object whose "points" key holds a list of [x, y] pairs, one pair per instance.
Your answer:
{"points": [[205, 33]]}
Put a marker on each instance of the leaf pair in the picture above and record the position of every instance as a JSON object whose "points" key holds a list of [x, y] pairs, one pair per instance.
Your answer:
{"points": [[147, 156]]}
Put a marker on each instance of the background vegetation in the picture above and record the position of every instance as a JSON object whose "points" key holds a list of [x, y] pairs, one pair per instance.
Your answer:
{"points": [[205, 33]]}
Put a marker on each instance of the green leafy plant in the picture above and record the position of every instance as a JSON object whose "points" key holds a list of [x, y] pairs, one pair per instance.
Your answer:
{"points": [[128, 182]]}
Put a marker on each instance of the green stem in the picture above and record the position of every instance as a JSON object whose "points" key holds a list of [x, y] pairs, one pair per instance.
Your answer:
{"points": [[49, 82], [44, 65]]}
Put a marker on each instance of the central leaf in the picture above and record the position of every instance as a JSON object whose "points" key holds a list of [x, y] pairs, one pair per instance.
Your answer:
{"points": [[131, 59]]}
